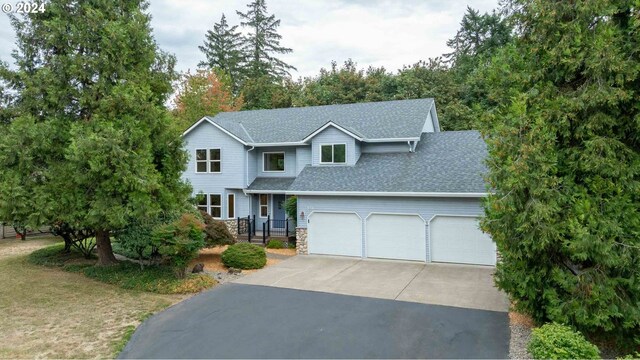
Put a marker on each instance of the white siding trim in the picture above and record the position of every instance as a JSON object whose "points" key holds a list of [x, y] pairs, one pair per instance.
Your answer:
{"points": [[330, 123], [386, 193], [214, 124]]}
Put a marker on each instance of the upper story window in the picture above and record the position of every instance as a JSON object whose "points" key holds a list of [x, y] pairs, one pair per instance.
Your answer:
{"points": [[273, 161], [333, 154], [208, 160]]}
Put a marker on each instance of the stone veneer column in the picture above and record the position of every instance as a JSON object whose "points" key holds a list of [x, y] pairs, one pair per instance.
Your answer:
{"points": [[301, 241], [232, 226]]}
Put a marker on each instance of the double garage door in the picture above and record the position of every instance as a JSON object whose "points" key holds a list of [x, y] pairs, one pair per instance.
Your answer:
{"points": [[399, 236]]}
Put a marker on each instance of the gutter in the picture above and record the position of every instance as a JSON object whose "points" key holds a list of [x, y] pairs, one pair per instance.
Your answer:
{"points": [[390, 194], [247, 163]]}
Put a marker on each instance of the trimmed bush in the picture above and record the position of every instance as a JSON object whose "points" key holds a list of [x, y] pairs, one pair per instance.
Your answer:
{"points": [[216, 232], [275, 244], [555, 341], [244, 256]]}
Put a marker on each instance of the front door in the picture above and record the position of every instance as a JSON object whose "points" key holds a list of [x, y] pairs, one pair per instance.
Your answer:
{"points": [[278, 211]]}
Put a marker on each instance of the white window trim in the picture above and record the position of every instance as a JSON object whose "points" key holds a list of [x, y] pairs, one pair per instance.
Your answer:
{"points": [[207, 161], [260, 206], [206, 205], [209, 206], [284, 159], [346, 155], [234, 206]]}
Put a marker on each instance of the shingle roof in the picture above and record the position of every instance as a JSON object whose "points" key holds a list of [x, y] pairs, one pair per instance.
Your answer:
{"points": [[271, 183], [451, 161], [374, 120]]}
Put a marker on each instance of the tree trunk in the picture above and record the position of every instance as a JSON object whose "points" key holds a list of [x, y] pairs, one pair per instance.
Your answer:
{"points": [[105, 252]]}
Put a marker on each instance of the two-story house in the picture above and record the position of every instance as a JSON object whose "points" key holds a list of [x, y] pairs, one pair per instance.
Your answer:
{"points": [[375, 180]]}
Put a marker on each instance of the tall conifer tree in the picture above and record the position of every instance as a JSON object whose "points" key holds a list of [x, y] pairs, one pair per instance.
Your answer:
{"points": [[223, 48]]}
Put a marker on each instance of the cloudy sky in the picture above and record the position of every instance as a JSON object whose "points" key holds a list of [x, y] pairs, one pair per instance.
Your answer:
{"points": [[387, 33]]}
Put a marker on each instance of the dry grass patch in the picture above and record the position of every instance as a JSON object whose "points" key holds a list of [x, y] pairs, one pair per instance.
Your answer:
{"points": [[211, 258], [287, 252], [47, 312]]}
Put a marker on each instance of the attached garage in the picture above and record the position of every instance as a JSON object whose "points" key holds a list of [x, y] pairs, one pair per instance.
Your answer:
{"points": [[458, 239], [396, 236], [335, 233]]}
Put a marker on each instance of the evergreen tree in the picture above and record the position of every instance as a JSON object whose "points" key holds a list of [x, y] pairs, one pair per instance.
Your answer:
{"points": [[564, 163], [223, 50], [91, 84], [263, 43]]}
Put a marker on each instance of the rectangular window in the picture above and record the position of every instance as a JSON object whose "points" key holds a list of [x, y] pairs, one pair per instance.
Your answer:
{"points": [[215, 204], [231, 206], [201, 161], [215, 161], [208, 160], [202, 202], [333, 154], [264, 205], [273, 162]]}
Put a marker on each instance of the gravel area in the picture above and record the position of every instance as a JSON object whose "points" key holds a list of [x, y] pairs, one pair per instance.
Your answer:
{"points": [[520, 335], [224, 277]]}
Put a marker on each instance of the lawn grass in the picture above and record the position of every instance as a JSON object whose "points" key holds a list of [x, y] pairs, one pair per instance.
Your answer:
{"points": [[127, 275], [49, 313]]}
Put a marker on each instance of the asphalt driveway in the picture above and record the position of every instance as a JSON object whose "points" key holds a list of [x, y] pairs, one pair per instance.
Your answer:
{"points": [[464, 286], [248, 321]]}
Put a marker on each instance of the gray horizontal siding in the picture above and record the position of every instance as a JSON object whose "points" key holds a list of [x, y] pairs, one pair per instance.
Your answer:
{"points": [[332, 135], [303, 158], [363, 206], [385, 147]]}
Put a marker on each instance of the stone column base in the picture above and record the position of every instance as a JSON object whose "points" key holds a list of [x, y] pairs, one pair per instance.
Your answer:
{"points": [[301, 241], [232, 226]]}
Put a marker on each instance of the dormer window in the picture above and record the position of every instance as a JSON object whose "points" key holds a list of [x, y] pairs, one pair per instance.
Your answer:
{"points": [[333, 154], [273, 162]]}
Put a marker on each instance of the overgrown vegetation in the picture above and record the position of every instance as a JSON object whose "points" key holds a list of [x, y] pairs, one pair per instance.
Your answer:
{"points": [[555, 341], [564, 161], [159, 279], [291, 208], [244, 256]]}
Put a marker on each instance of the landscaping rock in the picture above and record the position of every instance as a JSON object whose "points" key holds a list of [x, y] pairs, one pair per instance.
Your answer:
{"points": [[234, 271], [198, 268]]}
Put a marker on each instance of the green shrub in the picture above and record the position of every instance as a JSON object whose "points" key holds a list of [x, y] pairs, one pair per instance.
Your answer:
{"points": [[216, 232], [633, 356], [291, 208], [136, 241], [180, 241], [156, 278], [244, 256], [275, 244], [555, 341]]}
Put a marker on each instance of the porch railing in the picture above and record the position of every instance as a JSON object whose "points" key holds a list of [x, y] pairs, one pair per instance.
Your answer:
{"points": [[247, 226], [278, 228]]}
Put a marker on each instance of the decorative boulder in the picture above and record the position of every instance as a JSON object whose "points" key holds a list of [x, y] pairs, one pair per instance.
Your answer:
{"points": [[198, 268]]}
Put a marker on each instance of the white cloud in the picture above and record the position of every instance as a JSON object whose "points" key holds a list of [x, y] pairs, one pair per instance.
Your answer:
{"points": [[371, 32]]}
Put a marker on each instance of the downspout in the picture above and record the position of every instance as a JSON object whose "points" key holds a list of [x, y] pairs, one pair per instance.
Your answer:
{"points": [[247, 173], [409, 143], [247, 181]]}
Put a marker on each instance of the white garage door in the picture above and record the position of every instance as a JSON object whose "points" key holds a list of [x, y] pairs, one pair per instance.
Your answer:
{"points": [[334, 234], [396, 237], [459, 240]]}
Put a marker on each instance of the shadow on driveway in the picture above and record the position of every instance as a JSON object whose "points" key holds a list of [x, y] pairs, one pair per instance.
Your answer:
{"points": [[248, 321]]}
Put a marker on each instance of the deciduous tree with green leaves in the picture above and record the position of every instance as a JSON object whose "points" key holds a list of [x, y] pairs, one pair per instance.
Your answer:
{"points": [[91, 76], [204, 93], [564, 161]]}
